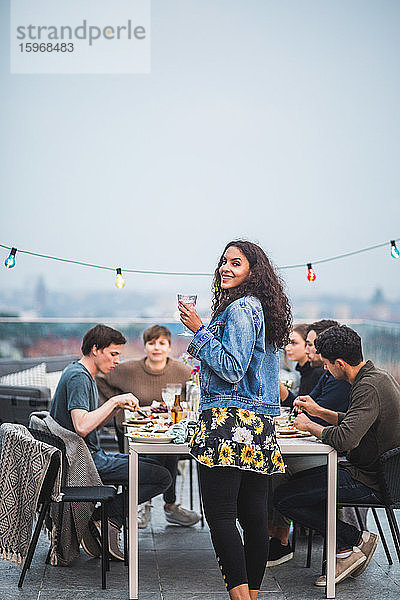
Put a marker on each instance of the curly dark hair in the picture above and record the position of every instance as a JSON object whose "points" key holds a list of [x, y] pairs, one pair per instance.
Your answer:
{"points": [[320, 326], [340, 342], [263, 283]]}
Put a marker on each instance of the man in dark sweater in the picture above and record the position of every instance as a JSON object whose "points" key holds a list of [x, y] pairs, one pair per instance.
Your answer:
{"points": [[328, 393], [370, 427]]}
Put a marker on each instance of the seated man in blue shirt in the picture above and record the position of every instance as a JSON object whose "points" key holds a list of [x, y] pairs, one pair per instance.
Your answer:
{"points": [[75, 407], [329, 393]]}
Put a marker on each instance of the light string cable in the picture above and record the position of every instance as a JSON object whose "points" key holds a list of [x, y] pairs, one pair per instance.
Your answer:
{"points": [[186, 273]]}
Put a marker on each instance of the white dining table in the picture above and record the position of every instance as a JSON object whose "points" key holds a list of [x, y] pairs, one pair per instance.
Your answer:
{"points": [[298, 446]]}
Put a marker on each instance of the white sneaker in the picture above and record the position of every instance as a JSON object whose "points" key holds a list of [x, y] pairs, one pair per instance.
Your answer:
{"points": [[344, 567], [144, 514], [178, 515]]}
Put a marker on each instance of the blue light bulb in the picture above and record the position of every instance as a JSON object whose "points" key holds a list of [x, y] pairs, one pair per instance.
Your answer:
{"points": [[394, 251], [10, 260]]}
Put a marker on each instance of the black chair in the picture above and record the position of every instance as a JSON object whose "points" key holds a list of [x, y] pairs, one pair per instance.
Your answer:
{"points": [[101, 494], [389, 481]]}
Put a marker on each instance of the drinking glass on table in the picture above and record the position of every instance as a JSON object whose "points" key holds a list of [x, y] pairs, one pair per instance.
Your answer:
{"points": [[191, 302], [168, 396]]}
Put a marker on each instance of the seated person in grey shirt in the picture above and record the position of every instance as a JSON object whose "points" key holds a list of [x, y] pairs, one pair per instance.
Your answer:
{"points": [[75, 407], [370, 427]]}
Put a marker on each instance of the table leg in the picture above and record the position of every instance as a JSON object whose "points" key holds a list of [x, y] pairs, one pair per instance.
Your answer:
{"points": [[331, 525], [133, 528]]}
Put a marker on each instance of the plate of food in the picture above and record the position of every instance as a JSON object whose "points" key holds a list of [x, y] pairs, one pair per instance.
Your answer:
{"points": [[286, 429], [149, 436], [137, 421], [290, 432]]}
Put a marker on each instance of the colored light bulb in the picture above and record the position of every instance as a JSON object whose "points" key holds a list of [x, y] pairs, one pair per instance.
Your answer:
{"points": [[10, 260], [311, 276], [119, 280], [394, 251]]}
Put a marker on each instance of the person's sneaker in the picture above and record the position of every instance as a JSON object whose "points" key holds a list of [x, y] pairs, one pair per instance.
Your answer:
{"points": [[344, 567], [370, 542], [90, 541], [278, 553], [114, 543], [144, 514], [178, 515]]}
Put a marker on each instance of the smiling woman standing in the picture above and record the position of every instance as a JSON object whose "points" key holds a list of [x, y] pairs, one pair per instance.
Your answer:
{"points": [[235, 441]]}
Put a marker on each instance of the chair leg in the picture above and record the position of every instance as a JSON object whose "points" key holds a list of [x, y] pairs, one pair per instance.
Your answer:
{"points": [[191, 482], [125, 500], [359, 519], [104, 545], [294, 536], [395, 525], [394, 530], [200, 497], [323, 571], [33, 543], [380, 531], [309, 547]]}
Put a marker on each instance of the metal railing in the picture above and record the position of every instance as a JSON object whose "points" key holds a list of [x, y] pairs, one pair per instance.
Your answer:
{"points": [[27, 336]]}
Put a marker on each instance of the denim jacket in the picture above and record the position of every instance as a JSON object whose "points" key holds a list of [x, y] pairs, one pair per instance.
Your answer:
{"points": [[237, 367]]}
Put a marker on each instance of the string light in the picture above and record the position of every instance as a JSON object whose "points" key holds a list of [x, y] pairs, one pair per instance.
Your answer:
{"points": [[119, 280], [311, 276], [10, 260], [394, 251]]}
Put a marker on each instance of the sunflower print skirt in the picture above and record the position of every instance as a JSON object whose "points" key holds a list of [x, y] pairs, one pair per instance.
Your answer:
{"points": [[235, 437]]}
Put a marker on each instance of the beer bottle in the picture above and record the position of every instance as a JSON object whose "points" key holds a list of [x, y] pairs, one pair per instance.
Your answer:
{"points": [[177, 411]]}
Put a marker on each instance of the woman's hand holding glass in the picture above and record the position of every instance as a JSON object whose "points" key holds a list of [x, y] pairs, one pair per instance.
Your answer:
{"points": [[189, 317]]}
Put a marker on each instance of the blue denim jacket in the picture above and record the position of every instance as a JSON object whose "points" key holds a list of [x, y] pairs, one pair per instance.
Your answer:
{"points": [[237, 367]]}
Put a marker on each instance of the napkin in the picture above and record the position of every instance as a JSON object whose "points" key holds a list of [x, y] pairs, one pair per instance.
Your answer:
{"points": [[181, 432]]}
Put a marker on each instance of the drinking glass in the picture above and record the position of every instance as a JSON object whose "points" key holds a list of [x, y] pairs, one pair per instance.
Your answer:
{"points": [[190, 301], [169, 398]]}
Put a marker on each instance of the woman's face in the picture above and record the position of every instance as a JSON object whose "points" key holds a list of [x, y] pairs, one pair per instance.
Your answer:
{"points": [[296, 348], [235, 268], [157, 350]]}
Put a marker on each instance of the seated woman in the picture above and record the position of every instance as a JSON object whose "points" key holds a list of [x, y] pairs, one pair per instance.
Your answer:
{"points": [[145, 378], [296, 352]]}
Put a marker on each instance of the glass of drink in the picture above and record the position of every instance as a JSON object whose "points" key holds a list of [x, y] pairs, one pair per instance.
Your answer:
{"points": [[168, 395], [191, 302]]}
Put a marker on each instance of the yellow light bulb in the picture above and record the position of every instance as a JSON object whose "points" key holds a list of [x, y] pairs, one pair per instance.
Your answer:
{"points": [[119, 280]]}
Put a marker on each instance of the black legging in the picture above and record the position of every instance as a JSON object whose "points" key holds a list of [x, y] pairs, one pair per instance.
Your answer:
{"points": [[228, 494]]}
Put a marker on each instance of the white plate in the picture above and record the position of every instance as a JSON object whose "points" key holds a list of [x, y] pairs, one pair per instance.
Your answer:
{"points": [[152, 439]]}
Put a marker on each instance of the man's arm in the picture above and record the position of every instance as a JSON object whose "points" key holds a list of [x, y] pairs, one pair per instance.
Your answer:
{"points": [[86, 421], [308, 405], [363, 412], [303, 423]]}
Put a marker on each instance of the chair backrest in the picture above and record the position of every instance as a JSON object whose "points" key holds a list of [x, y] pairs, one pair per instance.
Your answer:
{"points": [[57, 442], [389, 463], [50, 478]]}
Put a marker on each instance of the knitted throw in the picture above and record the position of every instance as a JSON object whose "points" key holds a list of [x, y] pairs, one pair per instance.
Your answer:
{"points": [[23, 465], [69, 519]]}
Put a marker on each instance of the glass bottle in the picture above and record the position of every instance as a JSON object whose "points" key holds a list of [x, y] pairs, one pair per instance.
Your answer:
{"points": [[177, 411]]}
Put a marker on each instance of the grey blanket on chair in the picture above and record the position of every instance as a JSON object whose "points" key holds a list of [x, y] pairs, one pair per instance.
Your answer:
{"points": [[23, 466], [69, 519]]}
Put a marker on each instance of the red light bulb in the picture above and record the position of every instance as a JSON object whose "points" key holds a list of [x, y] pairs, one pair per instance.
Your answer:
{"points": [[311, 276]]}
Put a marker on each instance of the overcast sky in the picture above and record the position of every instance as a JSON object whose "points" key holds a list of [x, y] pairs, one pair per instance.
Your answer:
{"points": [[274, 121]]}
